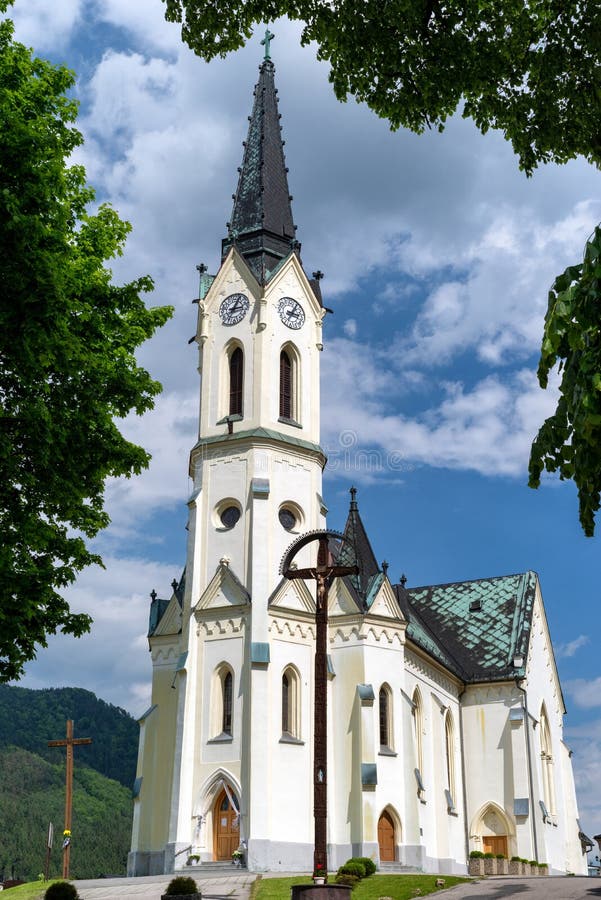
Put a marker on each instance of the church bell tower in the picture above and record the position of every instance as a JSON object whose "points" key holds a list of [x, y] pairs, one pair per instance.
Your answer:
{"points": [[256, 471]]}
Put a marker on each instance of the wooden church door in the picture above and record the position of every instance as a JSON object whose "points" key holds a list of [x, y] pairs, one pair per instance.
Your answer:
{"points": [[386, 838], [226, 834], [495, 844]]}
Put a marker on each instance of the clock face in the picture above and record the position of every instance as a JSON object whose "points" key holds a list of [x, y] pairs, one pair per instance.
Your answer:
{"points": [[233, 309], [291, 313]]}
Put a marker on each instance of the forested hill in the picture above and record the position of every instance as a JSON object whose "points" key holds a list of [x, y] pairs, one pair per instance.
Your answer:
{"points": [[32, 781], [29, 719]]}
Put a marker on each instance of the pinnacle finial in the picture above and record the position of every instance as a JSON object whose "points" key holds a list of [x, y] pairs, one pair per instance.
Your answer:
{"points": [[403, 579], [353, 493], [269, 36], [153, 595]]}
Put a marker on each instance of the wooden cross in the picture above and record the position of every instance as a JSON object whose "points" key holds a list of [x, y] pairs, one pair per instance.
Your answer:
{"points": [[269, 36], [323, 573], [69, 743]]}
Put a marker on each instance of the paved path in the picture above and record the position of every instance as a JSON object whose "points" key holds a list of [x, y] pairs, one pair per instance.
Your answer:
{"points": [[220, 886], [577, 888], [226, 886]]}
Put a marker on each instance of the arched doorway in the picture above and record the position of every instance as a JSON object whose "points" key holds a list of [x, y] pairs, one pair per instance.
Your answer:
{"points": [[226, 827], [386, 839]]}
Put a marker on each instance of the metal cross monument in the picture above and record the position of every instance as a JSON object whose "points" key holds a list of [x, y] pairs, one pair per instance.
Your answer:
{"points": [[69, 743], [326, 569]]}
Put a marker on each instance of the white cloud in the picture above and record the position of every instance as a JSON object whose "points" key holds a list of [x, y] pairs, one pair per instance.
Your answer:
{"points": [[350, 328], [113, 659], [144, 20], [564, 651], [487, 428], [45, 24], [585, 693]]}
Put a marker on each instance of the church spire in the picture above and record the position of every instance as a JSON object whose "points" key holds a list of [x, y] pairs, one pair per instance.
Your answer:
{"points": [[261, 225]]}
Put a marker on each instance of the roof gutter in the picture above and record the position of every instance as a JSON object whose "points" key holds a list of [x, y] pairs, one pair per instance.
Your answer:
{"points": [[530, 779]]}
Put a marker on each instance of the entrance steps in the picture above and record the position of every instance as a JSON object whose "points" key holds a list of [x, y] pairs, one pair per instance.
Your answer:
{"points": [[208, 868], [396, 868]]}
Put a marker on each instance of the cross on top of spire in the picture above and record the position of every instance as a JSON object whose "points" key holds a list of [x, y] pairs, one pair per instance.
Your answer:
{"points": [[269, 36]]}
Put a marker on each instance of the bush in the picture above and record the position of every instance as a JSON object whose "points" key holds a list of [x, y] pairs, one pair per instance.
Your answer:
{"points": [[515, 859], [476, 854], [183, 884], [61, 890], [368, 863], [533, 862], [352, 867], [489, 856], [350, 880], [500, 856], [543, 865]]}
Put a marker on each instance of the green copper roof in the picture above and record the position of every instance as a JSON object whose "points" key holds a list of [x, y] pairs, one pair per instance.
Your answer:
{"points": [[479, 630], [260, 433]]}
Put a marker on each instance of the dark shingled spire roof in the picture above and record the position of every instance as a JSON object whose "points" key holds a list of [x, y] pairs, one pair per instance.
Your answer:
{"points": [[369, 570], [261, 227]]}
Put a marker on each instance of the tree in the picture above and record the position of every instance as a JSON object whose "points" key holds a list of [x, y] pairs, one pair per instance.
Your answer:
{"points": [[67, 364], [530, 68]]}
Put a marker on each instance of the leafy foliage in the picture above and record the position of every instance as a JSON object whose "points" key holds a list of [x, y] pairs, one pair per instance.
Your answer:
{"points": [[61, 890], [183, 884], [530, 69], [29, 719], [33, 794], [67, 364], [368, 863], [568, 442]]}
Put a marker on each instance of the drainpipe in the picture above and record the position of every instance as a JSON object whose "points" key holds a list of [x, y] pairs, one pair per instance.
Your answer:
{"points": [[530, 781], [464, 792]]}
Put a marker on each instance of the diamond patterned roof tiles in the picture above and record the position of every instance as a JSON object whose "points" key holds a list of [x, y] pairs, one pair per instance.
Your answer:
{"points": [[474, 628]]}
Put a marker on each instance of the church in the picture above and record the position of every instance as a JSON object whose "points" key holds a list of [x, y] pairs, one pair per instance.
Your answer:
{"points": [[445, 710]]}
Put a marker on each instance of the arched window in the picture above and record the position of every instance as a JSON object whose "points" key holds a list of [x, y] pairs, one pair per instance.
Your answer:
{"points": [[385, 710], [449, 732], [227, 697], [290, 704], [286, 386], [417, 711], [236, 370], [546, 755]]}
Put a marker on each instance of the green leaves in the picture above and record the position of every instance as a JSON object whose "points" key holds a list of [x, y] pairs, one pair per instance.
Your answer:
{"points": [[530, 69], [569, 442], [67, 365]]}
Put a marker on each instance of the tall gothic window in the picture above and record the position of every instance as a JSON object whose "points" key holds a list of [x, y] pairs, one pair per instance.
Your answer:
{"points": [[546, 754], [286, 391], [449, 732], [385, 710], [226, 692], [236, 366], [418, 735], [290, 704]]}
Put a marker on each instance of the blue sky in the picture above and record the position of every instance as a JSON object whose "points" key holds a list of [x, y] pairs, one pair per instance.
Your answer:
{"points": [[438, 254]]}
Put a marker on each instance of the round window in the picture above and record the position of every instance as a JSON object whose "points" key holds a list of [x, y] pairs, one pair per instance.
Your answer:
{"points": [[229, 516], [287, 518]]}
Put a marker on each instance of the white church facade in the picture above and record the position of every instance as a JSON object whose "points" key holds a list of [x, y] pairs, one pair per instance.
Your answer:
{"points": [[445, 709]]}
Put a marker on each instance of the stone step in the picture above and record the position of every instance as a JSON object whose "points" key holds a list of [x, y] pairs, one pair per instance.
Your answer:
{"points": [[220, 865], [395, 868]]}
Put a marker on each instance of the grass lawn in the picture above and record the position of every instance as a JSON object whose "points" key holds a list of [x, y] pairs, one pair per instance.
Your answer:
{"points": [[33, 890], [399, 887]]}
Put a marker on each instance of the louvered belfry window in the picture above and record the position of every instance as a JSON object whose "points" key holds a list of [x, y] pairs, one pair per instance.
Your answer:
{"points": [[236, 379], [285, 386]]}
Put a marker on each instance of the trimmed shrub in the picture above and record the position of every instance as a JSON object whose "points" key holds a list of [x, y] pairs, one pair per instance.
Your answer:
{"points": [[533, 862], [61, 890], [352, 867], [370, 866], [543, 865], [183, 884], [515, 859], [350, 880], [489, 856], [500, 856], [476, 854]]}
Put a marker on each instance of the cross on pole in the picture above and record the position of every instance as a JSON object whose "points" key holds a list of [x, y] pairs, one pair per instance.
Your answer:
{"points": [[269, 36], [323, 573], [69, 743]]}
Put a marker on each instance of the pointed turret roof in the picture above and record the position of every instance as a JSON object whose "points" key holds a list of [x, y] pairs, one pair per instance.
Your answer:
{"points": [[355, 532], [261, 226]]}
